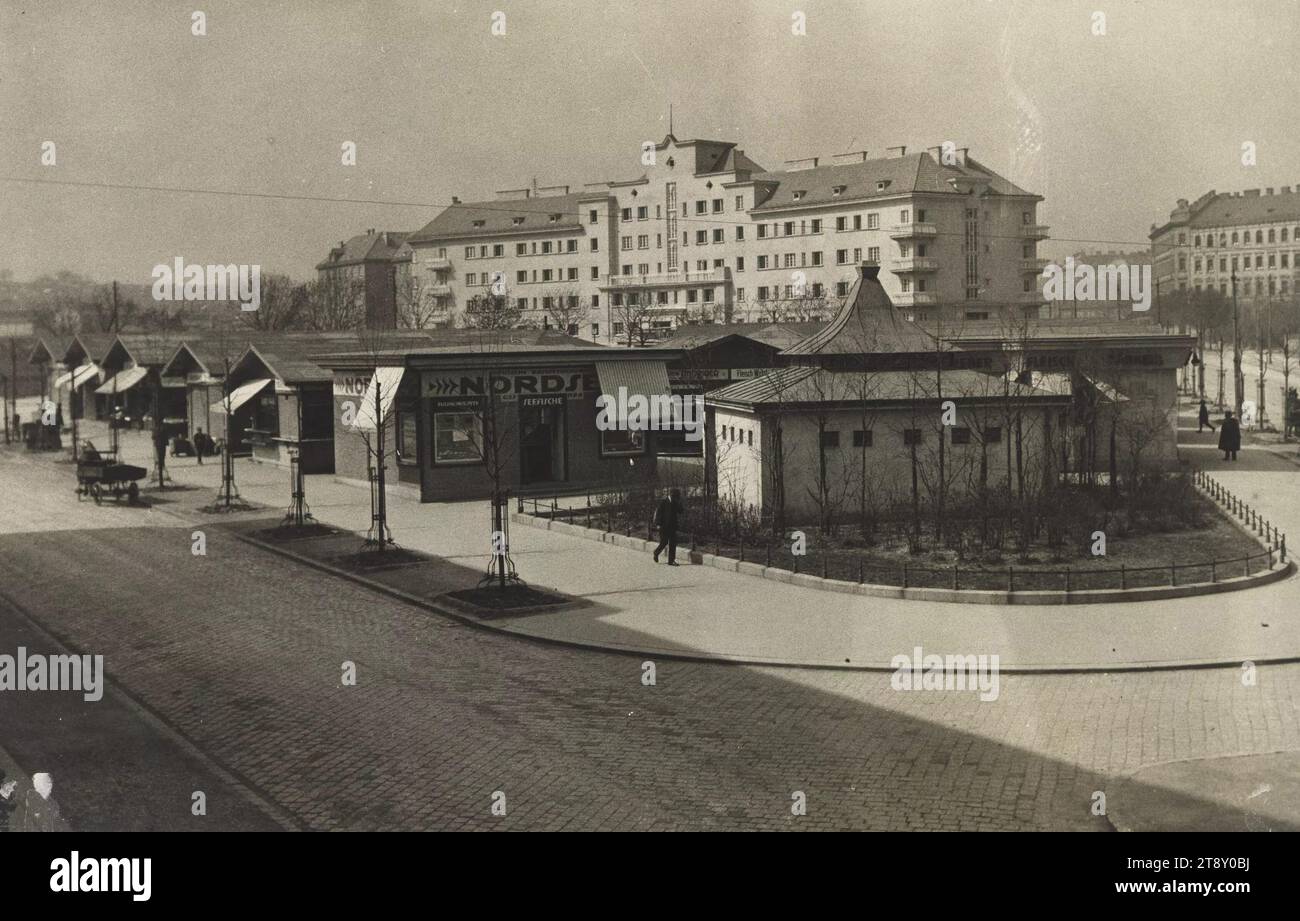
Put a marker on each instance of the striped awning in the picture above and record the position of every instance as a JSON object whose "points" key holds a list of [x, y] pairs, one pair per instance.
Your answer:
{"points": [[646, 378], [386, 380], [123, 380], [239, 396], [77, 377]]}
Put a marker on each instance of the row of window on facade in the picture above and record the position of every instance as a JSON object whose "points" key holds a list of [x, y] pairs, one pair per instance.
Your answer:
{"points": [[1274, 260], [1245, 288], [865, 438], [1240, 238]]}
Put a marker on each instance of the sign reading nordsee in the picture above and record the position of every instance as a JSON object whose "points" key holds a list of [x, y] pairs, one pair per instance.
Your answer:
{"points": [[181, 282], [509, 385]]}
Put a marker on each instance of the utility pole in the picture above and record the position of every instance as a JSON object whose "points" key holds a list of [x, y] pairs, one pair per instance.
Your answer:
{"points": [[115, 326], [1238, 382]]}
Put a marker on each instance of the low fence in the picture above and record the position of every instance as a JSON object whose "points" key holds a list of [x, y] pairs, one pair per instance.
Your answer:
{"points": [[846, 565]]}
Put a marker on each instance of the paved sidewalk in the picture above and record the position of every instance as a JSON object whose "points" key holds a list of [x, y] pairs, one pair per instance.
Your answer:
{"points": [[703, 612]]}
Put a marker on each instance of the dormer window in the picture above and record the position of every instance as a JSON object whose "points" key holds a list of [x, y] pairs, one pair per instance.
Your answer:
{"points": [[838, 190], [555, 218], [517, 221], [479, 223], [882, 184], [799, 193]]}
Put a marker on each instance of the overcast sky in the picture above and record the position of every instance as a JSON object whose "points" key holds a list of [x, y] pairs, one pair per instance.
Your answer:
{"points": [[1110, 129]]}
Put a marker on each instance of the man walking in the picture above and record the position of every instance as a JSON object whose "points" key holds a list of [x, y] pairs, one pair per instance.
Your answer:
{"points": [[668, 516], [1203, 418], [1229, 437]]}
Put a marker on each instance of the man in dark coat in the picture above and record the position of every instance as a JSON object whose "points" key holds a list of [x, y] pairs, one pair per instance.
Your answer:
{"points": [[1203, 418], [1229, 437], [668, 517]]}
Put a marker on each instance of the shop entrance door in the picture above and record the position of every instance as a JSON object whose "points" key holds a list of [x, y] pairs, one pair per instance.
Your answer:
{"points": [[541, 443]]}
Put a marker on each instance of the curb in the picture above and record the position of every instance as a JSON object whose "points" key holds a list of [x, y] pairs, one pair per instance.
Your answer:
{"points": [[946, 595], [677, 655]]}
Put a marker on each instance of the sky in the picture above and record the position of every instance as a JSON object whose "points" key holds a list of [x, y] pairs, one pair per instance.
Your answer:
{"points": [[1110, 128]]}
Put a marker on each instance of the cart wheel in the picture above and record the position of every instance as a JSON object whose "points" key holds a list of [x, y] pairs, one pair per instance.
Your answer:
{"points": [[97, 493], [133, 493]]}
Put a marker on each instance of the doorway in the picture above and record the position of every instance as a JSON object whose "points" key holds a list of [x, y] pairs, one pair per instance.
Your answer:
{"points": [[541, 442]]}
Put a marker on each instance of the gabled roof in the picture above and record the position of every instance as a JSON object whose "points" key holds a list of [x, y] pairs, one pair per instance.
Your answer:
{"points": [[918, 172], [147, 349], [866, 322], [47, 350], [91, 346], [493, 218], [375, 246]]}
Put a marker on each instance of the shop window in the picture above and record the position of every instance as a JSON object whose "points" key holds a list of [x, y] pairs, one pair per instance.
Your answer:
{"points": [[407, 427], [911, 437], [993, 435], [960, 435], [622, 443], [457, 438], [862, 438]]}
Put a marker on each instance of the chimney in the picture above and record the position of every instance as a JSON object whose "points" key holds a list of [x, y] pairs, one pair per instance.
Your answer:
{"points": [[513, 194], [962, 154], [896, 151], [1268, 191], [455, 200], [1251, 193], [853, 156], [805, 163]]}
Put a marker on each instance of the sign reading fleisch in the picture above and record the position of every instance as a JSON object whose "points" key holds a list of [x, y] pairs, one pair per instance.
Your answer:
{"points": [[510, 385]]}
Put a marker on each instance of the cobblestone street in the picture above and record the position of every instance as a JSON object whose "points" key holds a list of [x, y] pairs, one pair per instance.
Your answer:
{"points": [[240, 653]]}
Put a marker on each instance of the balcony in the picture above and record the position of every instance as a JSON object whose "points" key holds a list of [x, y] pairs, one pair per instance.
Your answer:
{"points": [[439, 290], [437, 265], [1036, 266], [912, 265], [914, 298], [666, 280], [1033, 231], [912, 230]]}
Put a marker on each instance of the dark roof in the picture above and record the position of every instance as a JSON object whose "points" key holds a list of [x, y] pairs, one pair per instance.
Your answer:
{"points": [[47, 350], [1036, 329], [866, 322], [94, 345], [375, 246], [818, 386], [294, 357], [777, 335], [442, 342], [1247, 208], [149, 349], [498, 217], [918, 172]]}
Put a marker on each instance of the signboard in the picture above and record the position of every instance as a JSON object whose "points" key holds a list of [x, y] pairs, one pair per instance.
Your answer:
{"points": [[542, 401], [510, 385], [351, 385]]}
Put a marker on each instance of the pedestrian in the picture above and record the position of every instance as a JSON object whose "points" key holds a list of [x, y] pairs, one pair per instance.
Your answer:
{"points": [[668, 516], [200, 443], [1229, 437], [1203, 418]]}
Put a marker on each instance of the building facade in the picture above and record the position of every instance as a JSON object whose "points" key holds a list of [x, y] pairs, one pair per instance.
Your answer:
{"points": [[371, 272], [706, 234], [1254, 235]]}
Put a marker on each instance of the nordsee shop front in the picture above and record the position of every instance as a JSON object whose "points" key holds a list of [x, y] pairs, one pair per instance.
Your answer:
{"points": [[544, 401]]}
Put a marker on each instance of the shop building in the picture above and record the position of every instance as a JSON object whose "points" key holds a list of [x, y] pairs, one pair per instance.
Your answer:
{"points": [[521, 402]]}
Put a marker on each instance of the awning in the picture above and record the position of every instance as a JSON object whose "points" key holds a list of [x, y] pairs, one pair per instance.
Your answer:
{"points": [[387, 380], [646, 378], [239, 396], [123, 380], [77, 376]]}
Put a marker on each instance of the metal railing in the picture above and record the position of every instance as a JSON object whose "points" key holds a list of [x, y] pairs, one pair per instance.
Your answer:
{"points": [[845, 566]]}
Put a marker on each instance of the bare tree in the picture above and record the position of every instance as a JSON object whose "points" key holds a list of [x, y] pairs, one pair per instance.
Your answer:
{"points": [[492, 312], [284, 305]]}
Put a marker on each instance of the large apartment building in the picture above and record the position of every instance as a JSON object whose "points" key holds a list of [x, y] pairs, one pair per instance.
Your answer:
{"points": [[1252, 234], [706, 234]]}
